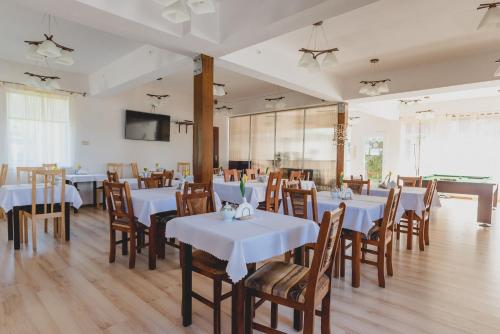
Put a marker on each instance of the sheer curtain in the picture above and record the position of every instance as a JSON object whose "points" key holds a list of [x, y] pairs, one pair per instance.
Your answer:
{"points": [[38, 128], [466, 146]]}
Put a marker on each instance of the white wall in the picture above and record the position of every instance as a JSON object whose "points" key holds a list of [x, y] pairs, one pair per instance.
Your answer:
{"points": [[370, 126]]}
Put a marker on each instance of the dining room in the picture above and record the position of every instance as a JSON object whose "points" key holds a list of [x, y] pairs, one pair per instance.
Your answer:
{"points": [[211, 166]]}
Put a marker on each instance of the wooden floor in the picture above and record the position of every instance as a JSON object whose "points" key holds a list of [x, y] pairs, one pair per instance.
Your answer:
{"points": [[452, 287]]}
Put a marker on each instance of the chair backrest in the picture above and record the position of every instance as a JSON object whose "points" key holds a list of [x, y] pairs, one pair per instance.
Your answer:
{"points": [[410, 181], [194, 203], [356, 177], [357, 186], [216, 171], [228, 175], [115, 167], [3, 174], [197, 188], [52, 181], [135, 169], [28, 171], [236, 174], [153, 181], [119, 202], [273, 191], [326, 250], [391, 207], [298, 200], [251, 173], [184, 167], [49, 166], [295, 184], [113, 176], [295, 175], [429, 194], [168, 176]]}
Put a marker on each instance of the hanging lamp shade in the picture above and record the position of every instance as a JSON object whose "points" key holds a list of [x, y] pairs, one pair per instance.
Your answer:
{"points": [[280, 104], [305, 60], [491, 19], [52, 85], [383, 87], [166, 2], [329, 61], [219, 90], [177, 12], [32, 54], [200, 7], [49, 49], [364, 89], [65, 58], [314, 66], [32, 82], [372, 90], [269, 104], [497, 72]]}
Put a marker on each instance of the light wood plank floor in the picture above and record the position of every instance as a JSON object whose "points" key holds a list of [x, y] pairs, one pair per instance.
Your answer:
{"points": [[452, 287]]}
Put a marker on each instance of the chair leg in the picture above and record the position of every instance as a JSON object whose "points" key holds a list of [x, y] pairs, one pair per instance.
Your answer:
{"points": [[46, 226], [249, 310], [217, 301], [389, 259], [336, 268], [309, 322], [306, 257], [421, 230], [33, 234], [426, 232], [398, 231], [274, 315], [342, 257], [26, 229], [139, 241], [325, 314], [62, 229], [380, 267], [133, 240], [112, 245], [21, 227]]}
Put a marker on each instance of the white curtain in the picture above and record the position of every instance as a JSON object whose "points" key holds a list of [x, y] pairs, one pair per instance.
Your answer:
{"points": [[466, 146], [38, 128]]}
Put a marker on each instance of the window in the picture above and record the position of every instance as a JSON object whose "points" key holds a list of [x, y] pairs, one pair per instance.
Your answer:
{"points": [[262, 142], [374, 152], [239, 134], [37, 128]]}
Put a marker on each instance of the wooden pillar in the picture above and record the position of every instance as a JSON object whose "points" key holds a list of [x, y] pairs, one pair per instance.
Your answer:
{"points": [[342, 118], [203, 118]]}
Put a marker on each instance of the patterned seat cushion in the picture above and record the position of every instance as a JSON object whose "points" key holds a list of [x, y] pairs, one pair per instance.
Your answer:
{"points": [[285, 280]]}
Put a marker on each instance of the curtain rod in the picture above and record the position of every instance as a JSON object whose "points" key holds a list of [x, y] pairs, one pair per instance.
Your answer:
{"points": [[71, 92]]}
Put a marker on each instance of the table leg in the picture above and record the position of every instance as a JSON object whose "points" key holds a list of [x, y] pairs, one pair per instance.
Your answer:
{"points": [[495, 197], [356, 259], [15, 212], [484, 207], [409, 232], [238, 308], [125, 243], [153, 231], [75, 210], [187, 284], [10, 225], [94, 194], [298, 258], [67, 220]]}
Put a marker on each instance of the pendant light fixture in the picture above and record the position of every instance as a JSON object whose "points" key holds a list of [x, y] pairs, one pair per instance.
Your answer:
{"points": [[155, 100], [179, 11], [424, 115], [224, 110], [49, 49], [275, 103], [42, 81], [374, 87], [491, 18], [219, 89], [310, 54]]}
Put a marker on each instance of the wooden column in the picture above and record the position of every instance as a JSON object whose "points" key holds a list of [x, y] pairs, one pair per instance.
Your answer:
{"points": [[203, 119], [343, 117]]}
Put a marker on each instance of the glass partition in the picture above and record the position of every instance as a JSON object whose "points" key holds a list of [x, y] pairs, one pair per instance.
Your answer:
{"points": [[239, 134], [290, 139], [262, 140]]}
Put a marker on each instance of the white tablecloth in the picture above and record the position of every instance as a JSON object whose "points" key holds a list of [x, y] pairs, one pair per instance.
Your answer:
{"points": [[147, 202], [360, 213], [83, 178], [412, 198], [20, 194], [242, 242]]}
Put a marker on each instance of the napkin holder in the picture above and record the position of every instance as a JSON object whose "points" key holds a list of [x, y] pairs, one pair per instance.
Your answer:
{"points": [[244, 210]]}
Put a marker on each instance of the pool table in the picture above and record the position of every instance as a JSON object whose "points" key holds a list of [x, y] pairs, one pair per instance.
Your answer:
{"points": [[484, 187]]}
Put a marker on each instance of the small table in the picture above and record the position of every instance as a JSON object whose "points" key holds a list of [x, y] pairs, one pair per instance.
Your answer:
{"points": [[264, 236], [14, 197], [412, 201], [75, 179]]}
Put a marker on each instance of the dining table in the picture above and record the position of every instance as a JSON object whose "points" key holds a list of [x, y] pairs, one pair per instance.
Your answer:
{"points": [[14, 197], [147, 204], [239, 242], [361, 213], [93, 178], [412, 201]]}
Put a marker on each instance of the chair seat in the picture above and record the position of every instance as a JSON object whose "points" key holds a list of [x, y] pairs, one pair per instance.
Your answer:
{"points": [[207, 263], [124, 223], [285, 280]]}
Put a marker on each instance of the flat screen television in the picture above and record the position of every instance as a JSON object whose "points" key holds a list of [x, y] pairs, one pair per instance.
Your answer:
{"points": [[147, 126]]}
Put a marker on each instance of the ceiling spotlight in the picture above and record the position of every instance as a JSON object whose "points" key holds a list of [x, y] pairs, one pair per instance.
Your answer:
{"points": [[177, 12], [219, 89], [491, 18], [200, 7], [310, 54]]}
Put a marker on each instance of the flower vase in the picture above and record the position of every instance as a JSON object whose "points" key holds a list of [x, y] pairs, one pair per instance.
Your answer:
{"points": [[244, 210]]}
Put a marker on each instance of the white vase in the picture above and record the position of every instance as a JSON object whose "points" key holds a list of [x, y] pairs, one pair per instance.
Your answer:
{"points": [[244, 210]]}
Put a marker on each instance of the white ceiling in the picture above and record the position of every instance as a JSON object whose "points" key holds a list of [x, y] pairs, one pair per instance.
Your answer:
{"points": [[93, 48]]}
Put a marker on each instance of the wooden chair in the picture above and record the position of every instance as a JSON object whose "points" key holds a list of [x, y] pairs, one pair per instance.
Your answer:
{"points": [[122, 219], [380, 237], [236, 174], [135, 169], [3, 178], [115, 167], [183, 167], [296, 286], [410, 181], [45, 205], [295, 175], [228, 175], [272, 193], [194, 203], [154, 181], [421, 228], [112, 176], [357, 186], [20, 171], [49, 166], [357, 178], [168, 176], [251, 174]]}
